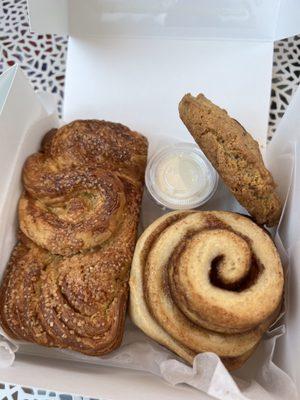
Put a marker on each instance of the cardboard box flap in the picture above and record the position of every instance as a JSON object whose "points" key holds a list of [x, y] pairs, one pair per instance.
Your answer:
{"points": [[14, 88], [284, 145], [288, 23], [6, 80], [48, 16], [24, 115], [232, 19]]}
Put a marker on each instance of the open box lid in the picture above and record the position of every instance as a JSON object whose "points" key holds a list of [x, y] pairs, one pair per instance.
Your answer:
{"points": [[235, 19], [132, 61], [122, 61]]}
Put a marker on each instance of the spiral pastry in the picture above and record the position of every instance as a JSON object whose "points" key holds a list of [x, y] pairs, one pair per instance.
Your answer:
{"points": [[18, 295], [76, 302], [66, 284], [206, 281], [78, 210], [110, 145]]}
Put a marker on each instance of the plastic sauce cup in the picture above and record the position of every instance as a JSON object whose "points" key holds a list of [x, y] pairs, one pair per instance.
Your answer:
{"points": [[180, 177]]}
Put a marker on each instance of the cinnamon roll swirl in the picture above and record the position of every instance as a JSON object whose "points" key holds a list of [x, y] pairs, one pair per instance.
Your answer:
{"points": [[66, 284], [206, 281]]}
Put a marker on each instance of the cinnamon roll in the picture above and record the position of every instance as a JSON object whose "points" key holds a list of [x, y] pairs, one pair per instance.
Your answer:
{"points": [[66, 284], [206, 281]]}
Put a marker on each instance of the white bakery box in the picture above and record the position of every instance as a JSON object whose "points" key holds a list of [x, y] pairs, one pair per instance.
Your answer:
{"points": [[131, 62]]}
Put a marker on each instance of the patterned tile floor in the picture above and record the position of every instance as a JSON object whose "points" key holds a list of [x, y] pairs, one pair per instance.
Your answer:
{"points": [[43, 57], [286, 78], [14, 392]]}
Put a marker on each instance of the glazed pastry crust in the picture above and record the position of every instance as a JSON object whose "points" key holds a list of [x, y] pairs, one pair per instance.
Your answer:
{"points": [[235, 155], [66, 284]]}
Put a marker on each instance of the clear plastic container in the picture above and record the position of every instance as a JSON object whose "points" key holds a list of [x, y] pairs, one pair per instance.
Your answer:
{"points": [[180, 177]]}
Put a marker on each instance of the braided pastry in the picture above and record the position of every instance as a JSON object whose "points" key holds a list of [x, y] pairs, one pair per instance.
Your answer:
{"points": [[66, 284], [83, 210], [206, 281]]}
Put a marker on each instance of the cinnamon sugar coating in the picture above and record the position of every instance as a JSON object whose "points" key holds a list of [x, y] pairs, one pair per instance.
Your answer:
{"points": [[66, 284]]}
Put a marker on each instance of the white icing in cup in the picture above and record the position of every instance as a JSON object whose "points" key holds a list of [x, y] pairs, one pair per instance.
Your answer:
{"points": [[180, 177]]}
